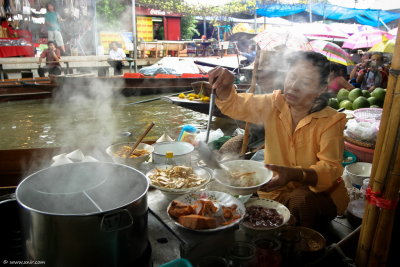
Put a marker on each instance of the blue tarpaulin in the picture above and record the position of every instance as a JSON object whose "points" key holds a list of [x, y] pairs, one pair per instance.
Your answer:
{"points": [[372, 17], [281, 10]]}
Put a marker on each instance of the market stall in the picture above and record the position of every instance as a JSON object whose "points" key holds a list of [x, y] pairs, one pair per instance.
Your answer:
{"points": [[16, 47]]}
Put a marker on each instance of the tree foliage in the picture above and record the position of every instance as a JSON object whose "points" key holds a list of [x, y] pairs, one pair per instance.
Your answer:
{"points": [[188, 26], [108, 13], [180, 6]]}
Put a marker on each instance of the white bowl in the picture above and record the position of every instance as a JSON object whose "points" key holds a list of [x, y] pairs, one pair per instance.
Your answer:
{"points": [[182, 152], [269, 204], [172, 193], [262, 175], [133, 162], [357, 172]]}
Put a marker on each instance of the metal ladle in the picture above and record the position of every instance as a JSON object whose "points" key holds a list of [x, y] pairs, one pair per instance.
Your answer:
{"points": [[210, 160]]}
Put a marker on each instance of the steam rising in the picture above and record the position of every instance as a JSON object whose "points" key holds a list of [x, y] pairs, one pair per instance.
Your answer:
{"points": [[85, 115]]}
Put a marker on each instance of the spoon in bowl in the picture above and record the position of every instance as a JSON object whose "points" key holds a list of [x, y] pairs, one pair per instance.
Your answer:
{"points": [[209, 159]]}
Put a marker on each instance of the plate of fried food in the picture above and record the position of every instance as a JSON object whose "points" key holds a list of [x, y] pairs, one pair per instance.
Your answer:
{"points": [[178, 180], [206, 211]]}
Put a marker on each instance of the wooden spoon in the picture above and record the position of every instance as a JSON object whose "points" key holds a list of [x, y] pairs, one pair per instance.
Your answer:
{"points": [[139, 140]]}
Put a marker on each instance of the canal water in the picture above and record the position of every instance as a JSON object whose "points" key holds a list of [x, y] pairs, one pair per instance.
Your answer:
{"points": [[72, 123]]}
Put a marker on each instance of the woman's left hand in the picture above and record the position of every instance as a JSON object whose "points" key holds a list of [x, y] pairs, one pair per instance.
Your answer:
{"points": [[282, 176]]}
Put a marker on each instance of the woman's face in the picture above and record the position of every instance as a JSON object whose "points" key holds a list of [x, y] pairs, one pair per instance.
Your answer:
{"points": [[302, 85]]}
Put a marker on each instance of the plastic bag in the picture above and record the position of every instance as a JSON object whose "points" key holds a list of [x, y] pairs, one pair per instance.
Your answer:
{"points": [[214, 135], [363, 131]]}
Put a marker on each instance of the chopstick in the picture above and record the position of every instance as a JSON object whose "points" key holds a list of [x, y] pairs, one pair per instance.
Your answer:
{"points": [[141, 138]]}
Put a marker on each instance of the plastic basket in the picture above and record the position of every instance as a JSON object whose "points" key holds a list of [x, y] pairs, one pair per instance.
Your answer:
{"points": [[348, 154], [368, 114], [362, 153]]}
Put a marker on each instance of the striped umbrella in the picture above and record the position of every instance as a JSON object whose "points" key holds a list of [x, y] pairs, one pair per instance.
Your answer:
{"points": [[365, 39], [332, 51]]}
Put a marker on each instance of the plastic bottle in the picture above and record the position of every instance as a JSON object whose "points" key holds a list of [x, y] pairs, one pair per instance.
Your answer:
{"points": [[363, 189], [169, 158], [188, 134]]}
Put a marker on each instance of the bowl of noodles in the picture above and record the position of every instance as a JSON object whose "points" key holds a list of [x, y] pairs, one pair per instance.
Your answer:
{"points": [[242, 177], [120, 153]]}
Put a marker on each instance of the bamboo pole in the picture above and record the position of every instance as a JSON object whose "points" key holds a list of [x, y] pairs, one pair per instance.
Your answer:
{"points": [[383, 235], [386, 139], [251, 90]]}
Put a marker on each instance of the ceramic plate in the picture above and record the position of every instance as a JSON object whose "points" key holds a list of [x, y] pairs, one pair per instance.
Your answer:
{"points": [[269, 204], [220, 198], [199, 171]]}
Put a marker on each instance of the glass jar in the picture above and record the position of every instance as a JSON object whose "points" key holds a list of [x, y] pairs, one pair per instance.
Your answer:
{"points": [[242, 254], [268, 252]]}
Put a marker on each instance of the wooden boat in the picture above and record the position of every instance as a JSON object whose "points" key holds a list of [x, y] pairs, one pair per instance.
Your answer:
{"points": [[132, 86], [39, 88], [27, 88], [200, 106]]}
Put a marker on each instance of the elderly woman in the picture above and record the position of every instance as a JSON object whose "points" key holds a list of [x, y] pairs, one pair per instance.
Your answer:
{"points": [[303, 138]]}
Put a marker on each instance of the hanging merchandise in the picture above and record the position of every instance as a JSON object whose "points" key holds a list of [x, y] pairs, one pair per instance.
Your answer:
{"points": [[68, 8], [75, 11], [2, 11], [26, 7], [9, 7], [38, 4], [83, 7], [18, 7]]}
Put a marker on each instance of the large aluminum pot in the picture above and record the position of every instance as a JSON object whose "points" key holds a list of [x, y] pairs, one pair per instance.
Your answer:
{"points": [[182, 152], [85, 214]]}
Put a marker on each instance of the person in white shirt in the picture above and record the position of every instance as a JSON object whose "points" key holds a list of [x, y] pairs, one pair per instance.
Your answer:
{"points": [[115, 57]]}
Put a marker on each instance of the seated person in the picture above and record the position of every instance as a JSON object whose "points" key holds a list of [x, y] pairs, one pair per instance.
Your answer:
{"points": [[52, 55], [116, 55], [10, 30], [336, 81], [303, 138]]}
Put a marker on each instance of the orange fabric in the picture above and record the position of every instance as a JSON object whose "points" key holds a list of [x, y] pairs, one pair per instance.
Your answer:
{"points": [[133, 75], [162, 75], [192, 75], [316, 143]]}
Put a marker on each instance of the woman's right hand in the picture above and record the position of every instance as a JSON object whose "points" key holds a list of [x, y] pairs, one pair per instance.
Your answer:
{"points": [[221, 80]]}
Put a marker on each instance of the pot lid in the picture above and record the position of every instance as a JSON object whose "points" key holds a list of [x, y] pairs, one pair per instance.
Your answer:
{"points": [[82, 188]]}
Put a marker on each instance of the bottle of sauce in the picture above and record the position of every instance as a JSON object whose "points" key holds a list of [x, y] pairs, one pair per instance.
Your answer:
{"points": [[169, 158]]}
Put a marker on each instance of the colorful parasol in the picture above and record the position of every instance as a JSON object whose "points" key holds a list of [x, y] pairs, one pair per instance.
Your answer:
{"points": [[386, 46], [332, 51], [394, 31], [313, 30], [365, 39], [276, 38]]}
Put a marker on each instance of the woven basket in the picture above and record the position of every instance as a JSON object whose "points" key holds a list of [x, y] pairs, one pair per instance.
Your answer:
{"points": [[368, 114], [358, 142]]}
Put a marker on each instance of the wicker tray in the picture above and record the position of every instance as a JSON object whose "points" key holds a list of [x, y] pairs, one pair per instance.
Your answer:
{"points": [[358, 142]]}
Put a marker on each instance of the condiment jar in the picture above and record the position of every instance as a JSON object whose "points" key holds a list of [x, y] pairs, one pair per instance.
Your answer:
{"points": [[242, 254], [268, 252], [169, 158]]}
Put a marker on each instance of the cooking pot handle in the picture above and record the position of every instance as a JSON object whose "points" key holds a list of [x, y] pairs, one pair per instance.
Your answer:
{"points": [[7, 198], [116, 220]]}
